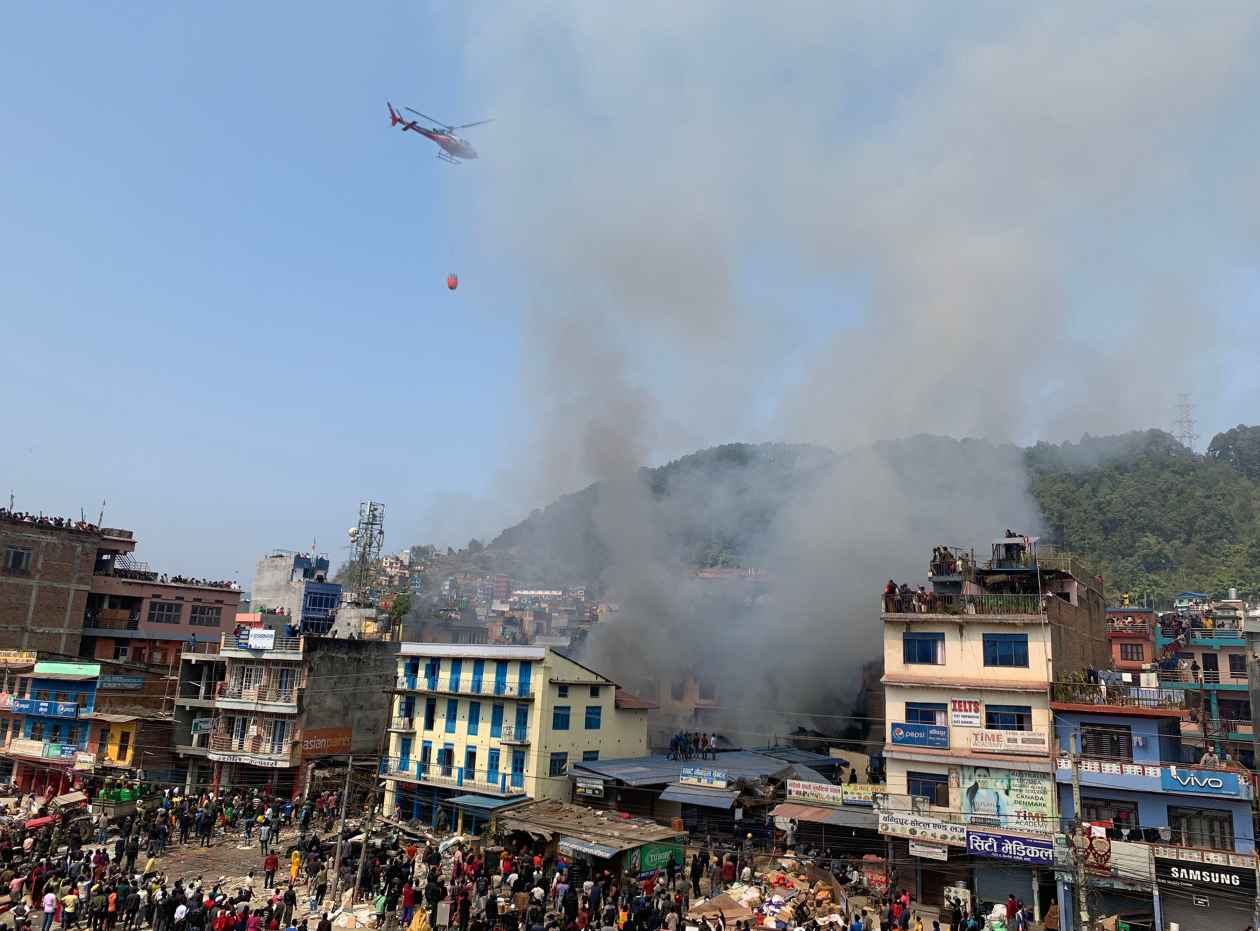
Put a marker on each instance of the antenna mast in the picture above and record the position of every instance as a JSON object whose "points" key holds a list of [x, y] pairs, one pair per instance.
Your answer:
{"points": [[366, 540], [1183, 429]]}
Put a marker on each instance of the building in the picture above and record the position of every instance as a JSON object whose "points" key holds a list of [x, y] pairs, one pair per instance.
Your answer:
{"points": [[1131, 633], [267, 706], [968, 668], [1155, 813], [50, 737], [473, 724], [296, 584]]}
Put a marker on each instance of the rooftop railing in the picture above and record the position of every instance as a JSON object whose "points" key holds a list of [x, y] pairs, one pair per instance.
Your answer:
{"points": [[937, 603], [1089, 693], [232, 641]]}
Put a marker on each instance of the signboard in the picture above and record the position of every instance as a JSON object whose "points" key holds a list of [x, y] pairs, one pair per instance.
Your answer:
{"points": [[994, 741], [589, 788], [85, 760], [56, 751], [261, 638], [857, 793], [25, 747], [45, 709], [823, 792], [263, 761], [642, 862], [702, 776], [964, 712], [120, 682], [1006, 847], [921, 828], [202, 726], [575, 845], [1007, 798], [17, 658], [928, 851], [1203, 878], [920, 735], [326, 741], [1199, 781]]}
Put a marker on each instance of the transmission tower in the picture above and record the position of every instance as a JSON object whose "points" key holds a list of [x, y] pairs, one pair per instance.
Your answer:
{"points": [[1183, 429], [366, 539]]}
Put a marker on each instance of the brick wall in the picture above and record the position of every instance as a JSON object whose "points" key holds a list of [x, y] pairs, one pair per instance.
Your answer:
{"points": [[42, 607]]}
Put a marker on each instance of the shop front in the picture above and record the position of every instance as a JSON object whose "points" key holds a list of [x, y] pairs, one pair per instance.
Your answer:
{"points": [[474, 814]]}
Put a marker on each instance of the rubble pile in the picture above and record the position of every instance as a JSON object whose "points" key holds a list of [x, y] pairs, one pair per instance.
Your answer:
{"points": [[783, 894]]}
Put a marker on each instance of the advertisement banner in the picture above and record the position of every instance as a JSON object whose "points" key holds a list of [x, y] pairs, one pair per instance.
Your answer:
{"points": [[120, 682], [26, 747], [857, 793], [1200, 781], [1006, 798], [929, 851], [326, 741], [1206, 877], [824, 792], [261, 638], [263, 761], [45, 709], [964, 712], [1006, 847], [703, 776], [202, 726], [921, 828], [589, 788], [920, 735], [642, 862], [1034, 742]]}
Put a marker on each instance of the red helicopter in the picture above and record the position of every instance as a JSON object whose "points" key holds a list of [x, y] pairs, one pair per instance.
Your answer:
{"points": [[451, 147]]}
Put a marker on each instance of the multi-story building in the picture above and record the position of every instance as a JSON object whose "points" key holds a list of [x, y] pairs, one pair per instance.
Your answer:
{"points": [[50, 737], [1131, 633], [296, 584], [968, 668], [475, 724], [1168, 839], [268, 704]]}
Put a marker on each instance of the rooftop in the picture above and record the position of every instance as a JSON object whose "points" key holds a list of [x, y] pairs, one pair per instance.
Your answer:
{"points": [[633, 702], [475, 650], [737, 764], [548, 817]]}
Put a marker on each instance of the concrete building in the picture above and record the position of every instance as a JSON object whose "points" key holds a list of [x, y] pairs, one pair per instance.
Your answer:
{"points": [[968, 669], [49, 735], [474, 724], [1131, 633], [296, 584], [268, 706]]}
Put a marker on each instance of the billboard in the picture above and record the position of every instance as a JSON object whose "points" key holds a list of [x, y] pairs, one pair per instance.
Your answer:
{"points": [[823, 792], [1200, 781], [1006, 847], [703, 776], [964, 712], [326, 741], [920, 735], [999, 741], [1006, 798]]}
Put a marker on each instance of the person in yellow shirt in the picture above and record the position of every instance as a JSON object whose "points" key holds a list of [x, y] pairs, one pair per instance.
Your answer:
{"points": [[295, 866], [69, 909]]}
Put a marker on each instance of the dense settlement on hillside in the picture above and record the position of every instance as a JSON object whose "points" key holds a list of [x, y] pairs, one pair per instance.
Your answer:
{"points": [[1002, 685]]}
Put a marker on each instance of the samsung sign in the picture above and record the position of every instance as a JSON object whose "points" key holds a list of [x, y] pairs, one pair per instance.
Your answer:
{"points": [[1200, 781], [1205, 877]]}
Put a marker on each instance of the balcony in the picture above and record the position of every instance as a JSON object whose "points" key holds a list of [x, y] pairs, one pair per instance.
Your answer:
{"points": [[964, 605], [1241, 729], [250, 643], [1128, 627], [451, 777], [1086, 693], [256, 750], [256, 694], [401, 722], [513, 735], [1187, 679], [443, 686]]}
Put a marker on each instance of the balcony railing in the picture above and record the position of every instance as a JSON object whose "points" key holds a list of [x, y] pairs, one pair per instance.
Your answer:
{"points": [[403, 722], [412, 770], [937, 603], [231, 641], [487, 689], [1128, 625], [258, 693], [1203, 676], [514, 735], [1086, 693], [258, 745]]}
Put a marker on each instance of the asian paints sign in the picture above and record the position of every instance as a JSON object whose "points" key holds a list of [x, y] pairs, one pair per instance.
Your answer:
{"points": [[1200, 781]]}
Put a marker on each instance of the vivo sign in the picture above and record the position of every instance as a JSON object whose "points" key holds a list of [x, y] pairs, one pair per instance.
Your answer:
{"points": [[1200, 781]]}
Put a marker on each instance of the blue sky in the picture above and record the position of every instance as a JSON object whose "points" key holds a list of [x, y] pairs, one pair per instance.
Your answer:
{"points": [[223, 301]]}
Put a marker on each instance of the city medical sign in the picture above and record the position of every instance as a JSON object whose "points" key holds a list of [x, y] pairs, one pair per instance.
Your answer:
{"points": [[1200, 781], [1007, 847]]}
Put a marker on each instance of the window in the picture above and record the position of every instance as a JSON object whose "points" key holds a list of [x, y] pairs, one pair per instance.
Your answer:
{"points": [[923, 648], [63, 696], [1105, 809], [102, 744], [932, 786], [492, 767], [17, 559], [590, 756], [42, 695], [470, 763], [37, 730], [120, 650], [678, 689], [73, 736], [4, 731], [922, 712], [124, 745], [452, 714], [164, 612], [205, 616], [1008, 717], [1133, 652], [559, 764], [1237, 664], [496, 720], [593, 715], [594, 691], [430, 710], [1107, 741], [457, 669], [560, 718], [1202, 827], [564, 691], [81, 699], [1006, 650], [474, 717]]}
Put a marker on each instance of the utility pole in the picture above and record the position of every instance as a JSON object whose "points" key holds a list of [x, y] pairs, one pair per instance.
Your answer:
{"points": [[370, 820], [1078, 858], [341, 830]]}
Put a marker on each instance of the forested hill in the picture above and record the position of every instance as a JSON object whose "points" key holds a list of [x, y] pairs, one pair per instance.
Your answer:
{"points": [[1152, 516]]}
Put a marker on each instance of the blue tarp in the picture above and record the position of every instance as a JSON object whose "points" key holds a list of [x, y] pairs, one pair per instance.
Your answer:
{"points": [[483, 802]]}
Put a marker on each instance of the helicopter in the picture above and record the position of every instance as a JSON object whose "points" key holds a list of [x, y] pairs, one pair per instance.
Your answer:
{"points": [[451, 147]]}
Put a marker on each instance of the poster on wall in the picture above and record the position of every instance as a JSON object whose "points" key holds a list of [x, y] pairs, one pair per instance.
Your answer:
{"points": [[964, 712], [1007, 798]]}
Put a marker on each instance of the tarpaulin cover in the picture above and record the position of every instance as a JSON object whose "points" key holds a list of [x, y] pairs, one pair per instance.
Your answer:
{"points": [[707, 798]]}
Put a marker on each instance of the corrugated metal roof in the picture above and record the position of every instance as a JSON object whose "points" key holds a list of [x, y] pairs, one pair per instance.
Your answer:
{"points": [[660, 770], [693, 795], [50, 668], [483, 802], [838, 817]]}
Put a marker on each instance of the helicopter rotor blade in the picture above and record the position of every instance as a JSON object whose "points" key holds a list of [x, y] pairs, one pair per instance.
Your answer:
{"points": [[429, 118], [469, 125]]}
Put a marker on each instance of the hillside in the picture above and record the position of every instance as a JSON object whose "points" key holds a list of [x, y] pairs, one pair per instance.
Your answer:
{"points": [[1152, 516]]}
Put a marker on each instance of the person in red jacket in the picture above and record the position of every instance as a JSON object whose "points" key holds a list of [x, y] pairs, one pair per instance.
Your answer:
{"points": [[270, 864]]}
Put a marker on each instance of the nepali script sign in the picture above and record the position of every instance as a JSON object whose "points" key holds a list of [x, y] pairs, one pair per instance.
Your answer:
{"points": [[920, 827], [1006, 847], [823, 792], [703, 776]]}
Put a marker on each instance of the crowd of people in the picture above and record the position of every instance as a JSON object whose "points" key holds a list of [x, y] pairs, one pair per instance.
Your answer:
{"points": [[43, 520], [690, 746], [145, 575]]}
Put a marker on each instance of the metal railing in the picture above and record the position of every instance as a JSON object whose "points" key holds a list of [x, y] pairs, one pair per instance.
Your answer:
{"points": [[937, 603], [1087, 693], [403, 722], [511, 734], [1203, 676], [257, 745], [231, 641], [1203, 633], [1128, 625], [257, 693]]}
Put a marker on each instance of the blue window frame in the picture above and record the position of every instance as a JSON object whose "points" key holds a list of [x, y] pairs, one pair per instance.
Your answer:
{"points": [[560, 718], [404, 753], [527, 670], [932, 786], [431, 674], [496, 719], [562, 691], [1008, 717], [590, 756], [457, 668], [1006, 650], [430, 711], [925, 712], [426, 758], [518, 769], [470, 764], [558, 765], [479, 672], [474, 717], [500, 677], [593, 715], [446, 759], [452, 714], [522, 721], [492, 766], [927, 648]]}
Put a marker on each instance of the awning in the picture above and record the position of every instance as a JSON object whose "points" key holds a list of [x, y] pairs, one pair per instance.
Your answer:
{"points": [[577, 845], [837, 817], [693, 795], [482, 802]]}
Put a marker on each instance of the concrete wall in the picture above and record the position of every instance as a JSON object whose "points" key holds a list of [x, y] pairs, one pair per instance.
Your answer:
{"points": [[346, 686], [1079, 633], [185, 597], [43, 608], [964, 650]]}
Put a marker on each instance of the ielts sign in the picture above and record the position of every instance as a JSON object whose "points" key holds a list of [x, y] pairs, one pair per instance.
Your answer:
{"points": [[1200, 781]]}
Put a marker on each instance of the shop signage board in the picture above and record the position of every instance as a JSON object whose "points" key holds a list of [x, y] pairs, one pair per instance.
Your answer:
{"points": [[25, 747], [16, 658], [202, 725], [921, 828], [54, 751], [642, 862], [920, 735], [45, 709], [120, 682], [964, 712], [929, 851], [1205, 878], [326, 741], [1200, 781], [589, 788], [261, 638], [823, 792], [575, 845], [1007, 798], [857, 793], [265, 762], [995, 741], [703, 776], [1008, 847]]}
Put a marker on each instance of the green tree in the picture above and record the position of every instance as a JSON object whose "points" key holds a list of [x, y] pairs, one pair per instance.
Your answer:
{"points": [[1238, 448]]}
